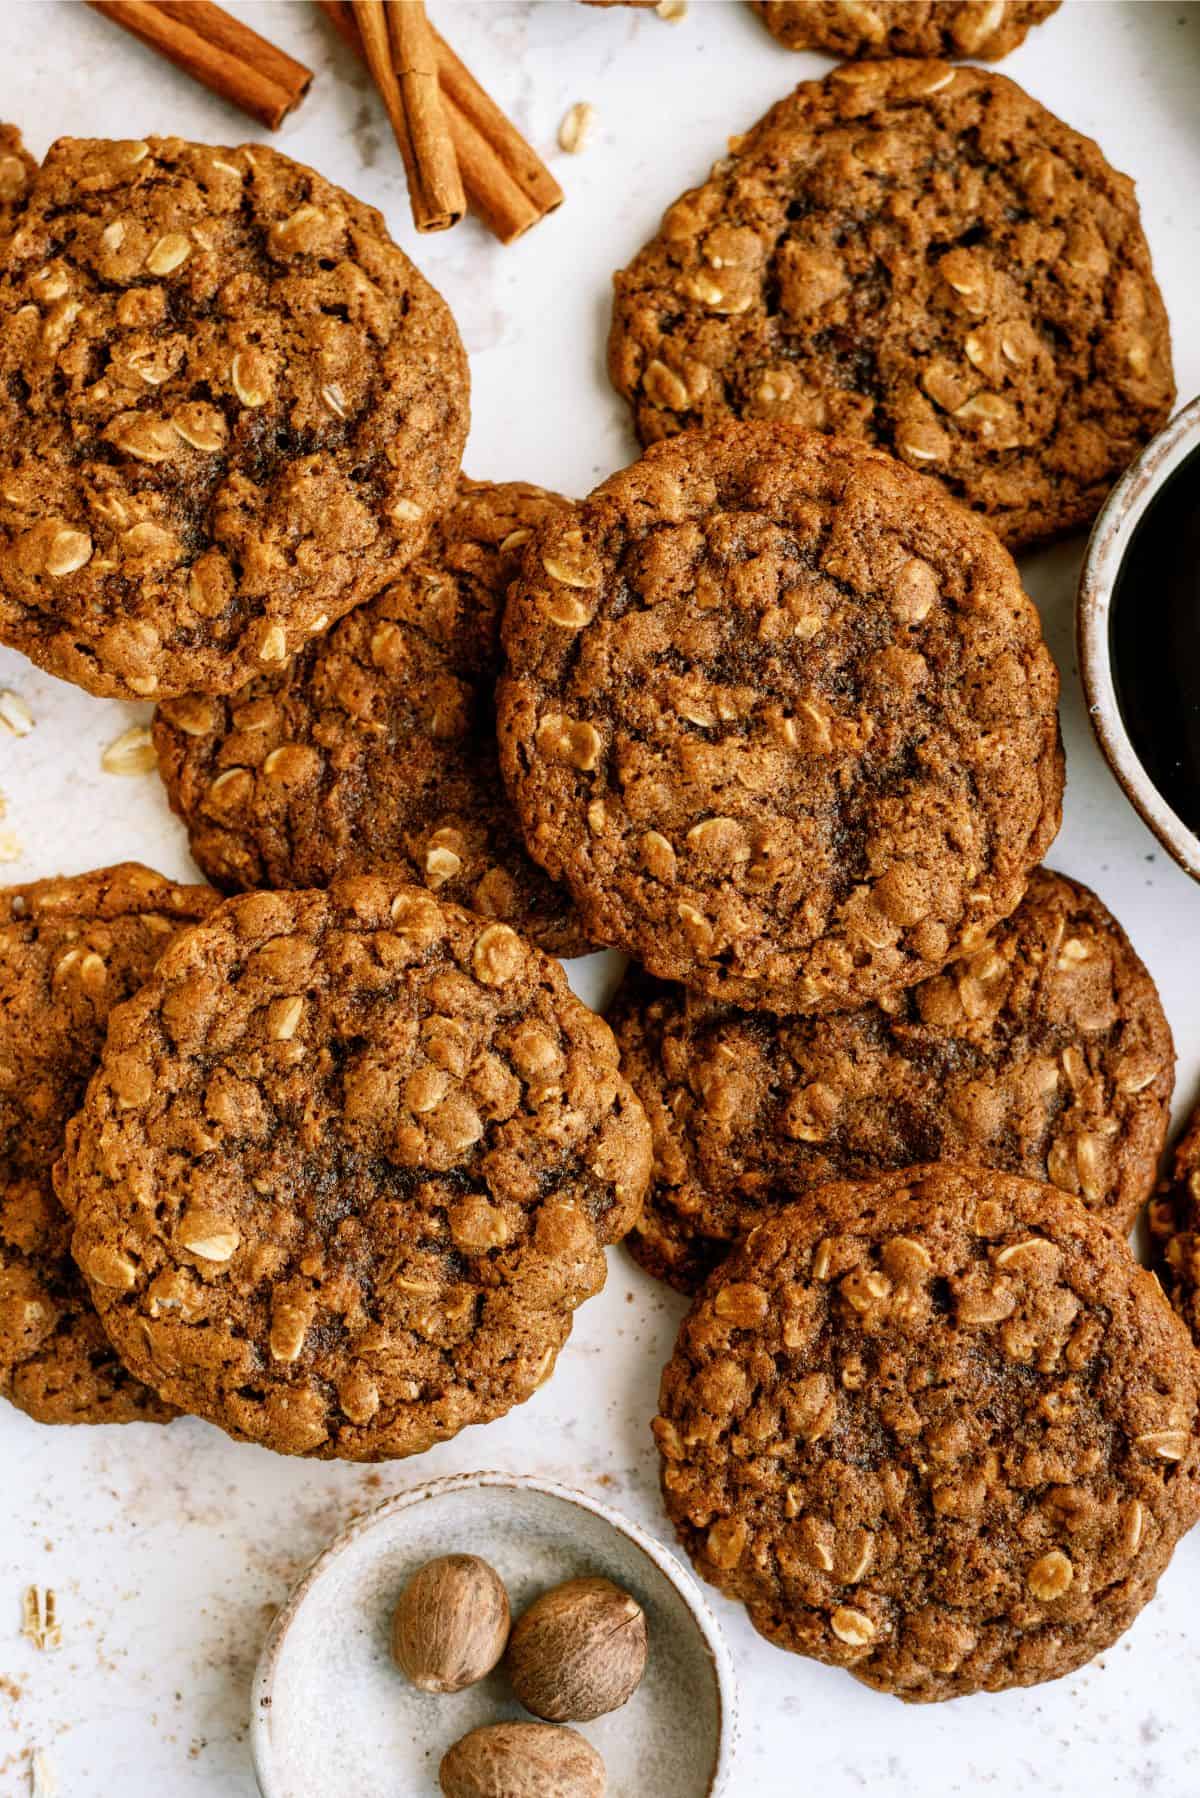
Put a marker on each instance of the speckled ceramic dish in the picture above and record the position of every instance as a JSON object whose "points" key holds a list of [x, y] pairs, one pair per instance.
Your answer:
{"points": [[1110, 542], [332, 1717]]}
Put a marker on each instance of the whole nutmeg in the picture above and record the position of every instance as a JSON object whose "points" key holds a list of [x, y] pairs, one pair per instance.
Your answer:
{"points": [[578, 1651], [451, 1623], [522, 1760]]}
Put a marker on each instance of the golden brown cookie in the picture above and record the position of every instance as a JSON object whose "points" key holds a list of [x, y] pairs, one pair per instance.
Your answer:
{"points": [[387, 1147], [229, 409], [376, 746], [921, 256], [937, 1428], [1045, 1053], [780, 715], [1175, 1227], [984, 28], [16, 172], [69, 951]]}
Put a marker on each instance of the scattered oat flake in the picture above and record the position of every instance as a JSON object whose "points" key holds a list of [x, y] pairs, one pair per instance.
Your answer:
{"points": [[15, 715], [130, 753], [43, 1780], [41, 1623], [11, 849], [39, 1618], [576, 129], [672, 10]]}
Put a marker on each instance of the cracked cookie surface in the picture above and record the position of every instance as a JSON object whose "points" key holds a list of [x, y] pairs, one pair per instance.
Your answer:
{"points": [[1175, 1227], [230, 408], [1045, 1053], [386, 1147], [921, 256], [70, 949], [986, 28], [937, 1428], [781, 717], [376, 746]]}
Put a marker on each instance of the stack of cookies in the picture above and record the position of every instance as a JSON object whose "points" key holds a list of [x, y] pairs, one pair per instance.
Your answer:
{"points": [[778, 712], [349, 1158], [332, 1160]]}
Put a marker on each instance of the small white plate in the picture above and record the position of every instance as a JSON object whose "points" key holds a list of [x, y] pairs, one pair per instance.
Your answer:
{"points": [[332, 1715]]}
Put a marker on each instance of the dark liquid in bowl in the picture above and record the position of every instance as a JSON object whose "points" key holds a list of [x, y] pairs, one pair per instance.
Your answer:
{"points": [[1154, 635]]}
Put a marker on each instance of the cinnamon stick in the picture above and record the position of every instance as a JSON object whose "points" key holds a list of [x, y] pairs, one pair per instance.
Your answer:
{"points": [[477, 107], [497, 198], [340, 14], [435, 206], [217, 50], [376, 46], [415, 60], [221, 29], [506, 182]]}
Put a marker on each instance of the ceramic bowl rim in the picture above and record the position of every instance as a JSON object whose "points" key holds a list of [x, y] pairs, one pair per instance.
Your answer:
{"points": [[1111, 536], [667, 1563]]}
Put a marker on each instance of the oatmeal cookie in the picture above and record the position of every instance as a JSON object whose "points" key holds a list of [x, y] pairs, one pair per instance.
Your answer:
{"points": [[1175, 1227], [376, 746], [923, 257], [1045, 1053], [984, 28], [229, 409], [16, 172], [937, 1428], [386, 1147], [780, 716], [69, 951]]}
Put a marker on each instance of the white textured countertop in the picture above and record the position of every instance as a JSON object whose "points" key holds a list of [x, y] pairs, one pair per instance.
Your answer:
{"points": [[169, 1548]]}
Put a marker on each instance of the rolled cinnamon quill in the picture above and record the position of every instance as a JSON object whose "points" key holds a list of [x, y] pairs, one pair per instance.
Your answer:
{"points": [[401, 58], [415, 59], [507, 184], [217, 50], [475, 106]]}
